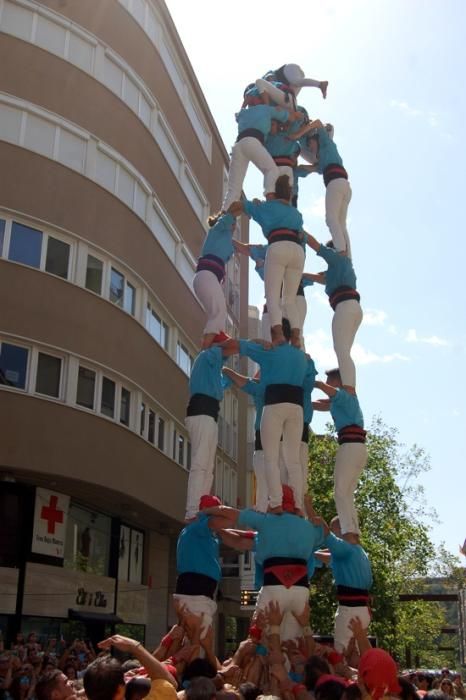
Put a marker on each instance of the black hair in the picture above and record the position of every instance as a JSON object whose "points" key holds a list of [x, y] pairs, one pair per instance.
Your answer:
{"points": [[330, 690], [198, 667], [436, 695], [283, 187], [46, 684], [352, 692], [334, 372], [213, 218], [201, 689], [425, 677], [286, 329], [137, 688], [103, 678], [249, 691], [408, 691], [314, 668], [330, 244]]}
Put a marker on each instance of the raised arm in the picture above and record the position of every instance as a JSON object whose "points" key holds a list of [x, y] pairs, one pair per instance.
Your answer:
{"points": [[311, 241], [221, 517], [318, 277], [326, 388], [241, 247], [238, 379], [321, 405], [240, 540], [154, 668]]}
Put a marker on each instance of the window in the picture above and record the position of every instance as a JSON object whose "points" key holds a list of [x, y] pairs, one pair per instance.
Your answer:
{"points": [[94, 272], [142, 419], [25, 245], [13, 365], [107, 403], [87, 541], [156, 327], [178, 447], [130, 554], [58, 256], [48, 375], [161, 434], [151, 427], [2, 234], [86, 388], [183, 358], [122, 293], [125, 406]]}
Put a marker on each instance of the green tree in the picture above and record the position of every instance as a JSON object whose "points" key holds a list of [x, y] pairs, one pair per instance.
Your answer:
{"points": [[390, 502]]}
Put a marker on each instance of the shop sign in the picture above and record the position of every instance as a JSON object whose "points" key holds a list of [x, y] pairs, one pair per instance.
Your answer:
{"points": [[50, 515]]}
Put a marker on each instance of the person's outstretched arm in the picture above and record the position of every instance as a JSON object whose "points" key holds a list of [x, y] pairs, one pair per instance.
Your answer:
{"points": [[326, 388], [154, 668], [238, 379]]}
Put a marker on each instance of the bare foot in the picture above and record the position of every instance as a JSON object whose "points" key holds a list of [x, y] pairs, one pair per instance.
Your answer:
{"points": [[323, 88]]}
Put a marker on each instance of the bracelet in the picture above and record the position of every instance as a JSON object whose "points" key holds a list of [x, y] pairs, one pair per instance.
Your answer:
{"points": [[274, 629], [307, 631], [298, 688], [167, 641]]}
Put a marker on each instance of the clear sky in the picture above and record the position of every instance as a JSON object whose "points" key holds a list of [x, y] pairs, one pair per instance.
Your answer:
{"points": [[397, 99]]}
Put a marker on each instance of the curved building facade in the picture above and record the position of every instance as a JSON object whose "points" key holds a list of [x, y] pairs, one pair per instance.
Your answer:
{"points": [[111, 162]]}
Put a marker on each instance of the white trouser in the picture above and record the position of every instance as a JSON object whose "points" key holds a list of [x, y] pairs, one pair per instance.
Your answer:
{"points": [[258, 464], [286, 170], [337, 199], [200, 605], [284, 264], [291, 600], [342, 633], [350, 460], [203, 434], [265, 326], [209, 291], [282, 419], [245, 151], [295, 76], [277, 95], [346, 320], [304, 459], [302, 311]]}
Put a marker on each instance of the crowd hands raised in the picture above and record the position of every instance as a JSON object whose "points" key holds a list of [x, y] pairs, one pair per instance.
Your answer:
{"points": [[185, 666]]}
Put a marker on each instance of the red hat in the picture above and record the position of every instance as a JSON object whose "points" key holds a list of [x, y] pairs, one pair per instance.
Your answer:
{"points": [[288, 503], [325, 677], [208, 501], [377, 670], [221, 337]]}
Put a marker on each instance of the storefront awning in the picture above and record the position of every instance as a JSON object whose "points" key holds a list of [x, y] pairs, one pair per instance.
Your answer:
{"points": [[109, 618]]}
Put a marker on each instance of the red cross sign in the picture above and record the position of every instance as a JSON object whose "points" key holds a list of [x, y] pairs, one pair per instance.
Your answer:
{"points": [[51, 514]]}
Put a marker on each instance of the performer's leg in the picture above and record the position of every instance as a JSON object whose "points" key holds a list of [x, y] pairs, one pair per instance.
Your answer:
{"points": [[200, 605], [212, 447], [276, 260], [258, 464], [203, 434], [291, 280], [343, 216], [351, 458], [342, 633], [335, 195], [271, 431], [292, 431], [209, 291], [346, 321], [304, 459], [262, 159], [237, 172], [265, 326]]}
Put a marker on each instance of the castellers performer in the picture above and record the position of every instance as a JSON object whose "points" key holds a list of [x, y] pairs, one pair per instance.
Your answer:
{"points": [[284, 549], [254, 125], [328, 163], [292, 77], [210, 273], [282, 225], [198, 564], [340, 286], [351, 457]]}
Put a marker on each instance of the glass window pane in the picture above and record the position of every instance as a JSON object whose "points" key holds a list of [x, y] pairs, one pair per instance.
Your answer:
{"points": [[107, 404], [143, 418], [174, 445], [180, 449], [13, 365], [48, 375], [87, 541], [86, 387], [2, 234], [130, 298], [58, 255], [125, 406], [151, 427], [117, 287], [94, 272], [161, 434], [25, 245]]}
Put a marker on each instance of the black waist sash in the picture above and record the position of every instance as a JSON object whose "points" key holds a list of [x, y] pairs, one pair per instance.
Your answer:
{"points": [[351, 433], [283, 393], [203, 405], [334, 172], [285, 571], [284, 160], [285, 234], [255, 133], [343, 294], [352, 597], [212, 263], [190, 583], [305, 435]]}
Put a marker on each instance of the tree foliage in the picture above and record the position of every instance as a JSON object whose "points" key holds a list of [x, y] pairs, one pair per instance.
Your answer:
{"points": [[390, 502]]}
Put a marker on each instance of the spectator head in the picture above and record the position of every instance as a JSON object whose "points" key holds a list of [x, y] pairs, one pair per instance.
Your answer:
{"points": [[329, 687], [249, 691], [70, 671], [137, 688], [315, 667], [352, 692], [446, 686], [196, 669], [377, 672], [408, 690], [104, 680], [436, 695], [201, 689], [48, 664], [424, 681], [54, 685]]}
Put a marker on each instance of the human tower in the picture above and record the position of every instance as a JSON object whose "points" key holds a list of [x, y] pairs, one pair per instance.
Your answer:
{"points": [[279, 138]]}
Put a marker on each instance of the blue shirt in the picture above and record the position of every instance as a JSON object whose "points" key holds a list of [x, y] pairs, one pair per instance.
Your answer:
{"points": [[340, 272], [307, 402], [256, 390], [206, 374], [198, 549], [283, 535], [284, 364], [274, 214], [345, 409], [260, 117], [349, 563], [219, 239], [328, 152], [257, 253]]}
